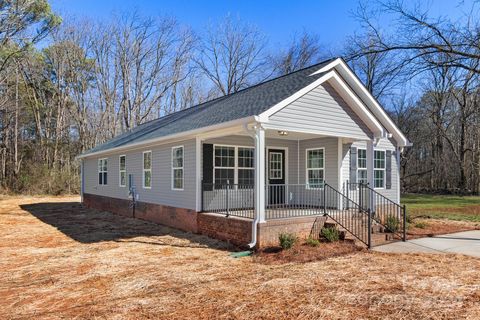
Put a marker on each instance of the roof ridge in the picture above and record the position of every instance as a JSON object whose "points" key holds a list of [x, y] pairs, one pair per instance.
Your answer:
{"points": [[239, 91]]}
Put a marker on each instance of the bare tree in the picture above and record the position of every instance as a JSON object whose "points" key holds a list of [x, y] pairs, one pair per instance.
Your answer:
{"points": [[303, 50], [232, 56], [421, 37], [151, 56]]}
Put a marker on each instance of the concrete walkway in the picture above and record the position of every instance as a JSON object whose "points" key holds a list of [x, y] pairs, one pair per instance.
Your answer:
{"points": [[467, 243]]}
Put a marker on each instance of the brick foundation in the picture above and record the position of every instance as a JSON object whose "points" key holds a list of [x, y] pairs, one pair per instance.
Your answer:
{"points": [[269, 231], [235, 230], [179, 218], [232, 229]]}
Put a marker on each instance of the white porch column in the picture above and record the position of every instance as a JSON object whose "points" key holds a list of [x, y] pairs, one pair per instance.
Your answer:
{"points": [[260, 173], [198, 174], [370, 174], [340, 172]]}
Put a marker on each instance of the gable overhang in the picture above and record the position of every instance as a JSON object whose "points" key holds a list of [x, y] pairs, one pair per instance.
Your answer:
{"points": [[344, 90], [340, 66]]}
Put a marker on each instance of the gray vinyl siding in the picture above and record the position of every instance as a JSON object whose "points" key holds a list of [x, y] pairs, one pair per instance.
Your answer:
{"points": [[296, 161], [324, 111], [161, 191], [291, 145], [384, 144], [331, 159]]}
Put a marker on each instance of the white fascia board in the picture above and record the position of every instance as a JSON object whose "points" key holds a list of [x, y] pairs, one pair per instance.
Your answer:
{"points": [[346, 93], [355, 83], [173, 137]]}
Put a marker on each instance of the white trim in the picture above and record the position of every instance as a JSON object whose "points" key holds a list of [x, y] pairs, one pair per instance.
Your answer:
{"points": [[173, 169], [397, 158], [198, 173], [340, 162], [269, 167], [384, 168], [286, 172], [366, 163], [373, 172], [345, 71], [98, 172], [344, 90], [120, 171], [259, 178], [307, 184], [235, 159], [144, 170], [185, 135]]}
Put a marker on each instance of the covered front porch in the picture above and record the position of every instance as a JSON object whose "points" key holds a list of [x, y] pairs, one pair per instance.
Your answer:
{"points": [[272, 174]]}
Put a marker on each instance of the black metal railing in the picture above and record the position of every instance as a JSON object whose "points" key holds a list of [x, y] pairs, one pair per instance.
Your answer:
{"points": [[348, 214], [293, 200], [391, 215], [229, 199], [354, 209]]}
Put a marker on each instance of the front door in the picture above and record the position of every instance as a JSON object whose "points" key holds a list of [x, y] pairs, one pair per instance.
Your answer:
{"points": [[276, 176]]}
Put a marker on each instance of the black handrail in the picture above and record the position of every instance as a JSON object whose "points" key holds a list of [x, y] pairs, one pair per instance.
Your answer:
{"points": [[386, 212], [348, 214]]}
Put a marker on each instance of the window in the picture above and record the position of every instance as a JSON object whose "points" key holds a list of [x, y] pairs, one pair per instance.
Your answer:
{"points": [[379, 169], [122, 165], [177, 168], [102, 171], [246, 169], [315, 168], [234, 165], [224, 165], [147, 169], [275, 170], [362, 166]]}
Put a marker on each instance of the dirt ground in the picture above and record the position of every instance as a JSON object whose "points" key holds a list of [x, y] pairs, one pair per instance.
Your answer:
{"points": [[59, 260], [420, 228]]}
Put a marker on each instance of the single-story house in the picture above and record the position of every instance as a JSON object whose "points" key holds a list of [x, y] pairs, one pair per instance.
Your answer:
{"points": [[275, 157]]}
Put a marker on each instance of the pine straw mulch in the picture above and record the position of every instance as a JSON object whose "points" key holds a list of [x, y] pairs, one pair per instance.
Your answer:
{"points": [[435, 227], [59, 260], [302, 253]]}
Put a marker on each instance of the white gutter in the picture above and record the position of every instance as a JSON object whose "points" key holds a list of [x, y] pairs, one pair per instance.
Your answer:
{"points": [[256, 218], [183, 134]]}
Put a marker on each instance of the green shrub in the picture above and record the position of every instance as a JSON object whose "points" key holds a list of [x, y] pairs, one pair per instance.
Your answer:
{"points": [[312, 242], [330, 234], [287, 240], [392, 224], [420, 225]]}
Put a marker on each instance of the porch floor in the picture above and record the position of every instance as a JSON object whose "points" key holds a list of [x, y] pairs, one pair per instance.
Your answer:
{"points": [[285, 213]]}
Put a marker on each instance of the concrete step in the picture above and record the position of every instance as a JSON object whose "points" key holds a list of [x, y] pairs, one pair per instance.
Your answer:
{"points": [[379, 234]]}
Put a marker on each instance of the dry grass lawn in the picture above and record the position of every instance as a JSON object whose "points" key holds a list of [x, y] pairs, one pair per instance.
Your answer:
{"points": [[59, 260]]}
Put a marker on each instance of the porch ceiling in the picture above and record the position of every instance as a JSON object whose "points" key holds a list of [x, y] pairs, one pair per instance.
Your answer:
{"points": [[293, 135]]}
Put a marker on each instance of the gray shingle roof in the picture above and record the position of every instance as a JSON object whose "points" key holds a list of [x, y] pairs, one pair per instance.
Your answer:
{"points": [[251, 101]]}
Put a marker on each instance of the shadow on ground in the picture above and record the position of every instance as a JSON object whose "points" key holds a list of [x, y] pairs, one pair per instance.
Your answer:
{"points": [[89, 226]]}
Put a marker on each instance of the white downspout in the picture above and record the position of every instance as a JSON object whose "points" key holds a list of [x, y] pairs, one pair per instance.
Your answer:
{"points": [[257, 217]]}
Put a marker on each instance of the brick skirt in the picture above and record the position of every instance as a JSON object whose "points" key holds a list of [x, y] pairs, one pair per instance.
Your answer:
{"points": [[235, 230]]}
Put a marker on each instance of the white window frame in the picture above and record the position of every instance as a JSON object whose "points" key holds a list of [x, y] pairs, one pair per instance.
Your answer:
{"points": [[145, 170], [102, 172], [269, 167], [308, 169], [120, 171], [235, 156], [178, 168], [380, 169], [358, 166], [238, 167]]}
